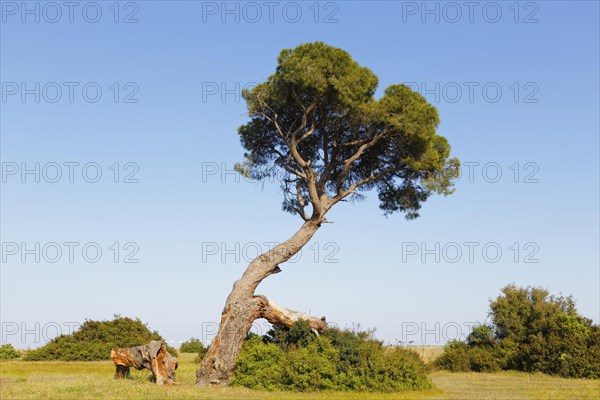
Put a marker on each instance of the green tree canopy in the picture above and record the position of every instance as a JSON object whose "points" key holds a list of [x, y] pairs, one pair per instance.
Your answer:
{"points": [[316, 125]]}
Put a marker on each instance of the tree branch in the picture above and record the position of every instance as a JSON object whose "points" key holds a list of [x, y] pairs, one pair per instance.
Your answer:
{"points": [[281, 316], [354, 157], [301, 202], [292, 143], [352, 188]]}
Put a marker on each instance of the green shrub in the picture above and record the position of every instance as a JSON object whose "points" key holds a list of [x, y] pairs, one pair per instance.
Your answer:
{"points": [[390, 369], [481, 335], [192, 346], [8, 352], [550, 335], [484, 359], [296, 359], [455, 357], [299, 334], [567, 349], [311, 367], [348, 344], [531, 331], [95, 339], [260, 365]]}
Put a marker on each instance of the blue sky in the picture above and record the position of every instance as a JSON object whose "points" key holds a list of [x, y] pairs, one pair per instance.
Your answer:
{"points": [[516, 87]]}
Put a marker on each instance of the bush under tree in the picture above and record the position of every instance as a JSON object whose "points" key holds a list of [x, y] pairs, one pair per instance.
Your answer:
{"points": [[296, 359]]}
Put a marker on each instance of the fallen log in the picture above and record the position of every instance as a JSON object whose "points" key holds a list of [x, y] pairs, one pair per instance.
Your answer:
{"points": [[152, 356]]}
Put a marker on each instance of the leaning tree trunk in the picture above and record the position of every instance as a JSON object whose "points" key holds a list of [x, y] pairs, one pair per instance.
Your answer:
{"points": [[242, 307]]}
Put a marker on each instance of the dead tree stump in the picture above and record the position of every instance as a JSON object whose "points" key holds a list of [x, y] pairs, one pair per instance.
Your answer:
{"points": [[122, 372], [152, 356]]}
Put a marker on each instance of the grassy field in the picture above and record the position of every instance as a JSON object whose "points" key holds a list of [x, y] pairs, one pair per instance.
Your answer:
{"points": [[93, 380]]}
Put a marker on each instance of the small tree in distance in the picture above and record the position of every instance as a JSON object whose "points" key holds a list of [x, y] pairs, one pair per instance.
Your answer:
{"points": [[8, 352], [192, 346], [316, 125]]}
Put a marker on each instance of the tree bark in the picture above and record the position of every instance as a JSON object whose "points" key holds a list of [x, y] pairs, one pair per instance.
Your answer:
{"points": [[242, 307]]}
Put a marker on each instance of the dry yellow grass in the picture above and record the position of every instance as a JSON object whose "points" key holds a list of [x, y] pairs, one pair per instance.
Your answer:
{"points": [[93, 380], [428, 353]]}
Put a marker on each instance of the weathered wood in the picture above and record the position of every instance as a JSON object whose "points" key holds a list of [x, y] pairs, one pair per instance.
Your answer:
{"points": [[243, 307], [152, 356], [281, 316], [122, 372]]}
